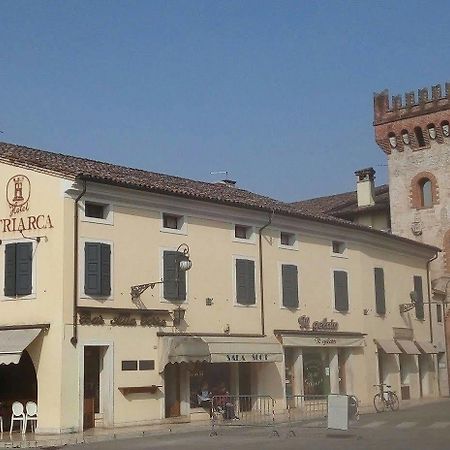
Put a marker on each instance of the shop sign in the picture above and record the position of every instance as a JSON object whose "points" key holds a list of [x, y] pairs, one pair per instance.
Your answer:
{"points": [[304, 323], [243, 357], [122, 320], [18, 193]]}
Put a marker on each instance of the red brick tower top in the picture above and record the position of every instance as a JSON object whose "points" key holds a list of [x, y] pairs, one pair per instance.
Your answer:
{"points": [[414, 123]]}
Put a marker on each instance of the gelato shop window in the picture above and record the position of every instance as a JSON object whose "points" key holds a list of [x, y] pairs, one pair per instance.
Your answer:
{"points": [[316, 372], [207, 380]]}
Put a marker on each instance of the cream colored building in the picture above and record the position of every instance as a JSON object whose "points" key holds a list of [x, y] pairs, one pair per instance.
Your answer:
{"points": [[278, 302]]}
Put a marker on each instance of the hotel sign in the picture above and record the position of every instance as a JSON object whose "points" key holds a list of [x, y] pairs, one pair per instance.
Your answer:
{"points": [[18, 193]]}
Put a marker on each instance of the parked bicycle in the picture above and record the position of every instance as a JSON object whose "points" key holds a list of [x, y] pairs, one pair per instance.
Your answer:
{"points": [[353, 410], [385, 399]]}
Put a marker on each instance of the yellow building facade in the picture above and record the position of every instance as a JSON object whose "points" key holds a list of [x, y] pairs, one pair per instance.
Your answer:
{"points": [[98, 316]]}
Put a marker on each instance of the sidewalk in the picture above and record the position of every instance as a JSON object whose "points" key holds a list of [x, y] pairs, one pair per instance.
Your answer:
{"points": [[30, 440]]}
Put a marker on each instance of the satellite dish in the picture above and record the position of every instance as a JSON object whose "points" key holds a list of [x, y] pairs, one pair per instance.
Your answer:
{"points": [[413, 296]]}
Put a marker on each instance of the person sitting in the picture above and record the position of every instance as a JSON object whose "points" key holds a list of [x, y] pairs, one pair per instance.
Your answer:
{"points": [[224, 404], [204, 396]]}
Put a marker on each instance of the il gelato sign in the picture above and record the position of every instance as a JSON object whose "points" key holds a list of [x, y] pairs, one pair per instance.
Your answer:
{"points": [[304, 323], [18, 193]]}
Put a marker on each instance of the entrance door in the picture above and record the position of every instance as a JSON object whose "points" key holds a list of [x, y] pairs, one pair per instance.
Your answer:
{"points": [[172, 390], [92, 369], [316, 373], [245, 386]]}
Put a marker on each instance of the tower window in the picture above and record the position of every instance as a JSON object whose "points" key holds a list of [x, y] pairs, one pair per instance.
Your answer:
{"points": [[445, 128], [426, 193], [405, 137], [419, 136], [432, 130], [392, 140]]}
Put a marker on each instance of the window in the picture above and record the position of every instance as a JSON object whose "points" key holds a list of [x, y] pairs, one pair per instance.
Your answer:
{"points": [[174, 278], [439, 313], [419, 137], [147, 364], [380, 301], [95, 210], [392, 140], [242, 232], [287, 239], [18, 269], [245, 282], [418, 297], [289, 282], [129, 365], [340, 290], [97, 269], [405, 137], [172, 221], [338, 247], [445, 128], [426, 193], [431, 130]]}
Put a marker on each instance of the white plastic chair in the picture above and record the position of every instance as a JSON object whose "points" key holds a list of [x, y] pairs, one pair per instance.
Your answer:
{"points": [[17, 415], [30, 416]]}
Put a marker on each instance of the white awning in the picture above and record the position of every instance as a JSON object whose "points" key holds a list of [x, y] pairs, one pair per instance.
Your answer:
{"points": [[408, 347], [322, 341], [426, 347], [218, 349], [388, 346], [14, 342]]}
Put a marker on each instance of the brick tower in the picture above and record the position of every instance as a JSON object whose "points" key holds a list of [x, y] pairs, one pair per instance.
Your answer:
{"points": [[415, 136]]}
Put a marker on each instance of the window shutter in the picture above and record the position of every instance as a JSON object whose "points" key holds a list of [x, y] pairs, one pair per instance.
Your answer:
{"points": [[181, 277], [245, 282], [105, 269], [92, 268], [340, 290], [289, 276], [419, 297], [24, 268], [10, 270], [170, 275], [380, 301]]}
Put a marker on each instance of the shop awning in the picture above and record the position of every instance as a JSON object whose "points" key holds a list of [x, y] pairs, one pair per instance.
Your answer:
{"points": [[218, 349], [14, 342], [408, 347], [426, 347], [388, 346]]}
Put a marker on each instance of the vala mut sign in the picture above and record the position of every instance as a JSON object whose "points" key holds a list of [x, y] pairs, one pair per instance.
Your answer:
{"points": [[18, 193]]}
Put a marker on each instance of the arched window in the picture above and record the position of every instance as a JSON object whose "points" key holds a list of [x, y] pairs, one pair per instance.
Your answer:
{"points": [[392, 140], [405, 137], [445, 128], [419, 137], [426, 193], [431, 130]]}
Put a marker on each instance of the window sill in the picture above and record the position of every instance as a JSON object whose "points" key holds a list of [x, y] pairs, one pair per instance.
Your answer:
{"points": [[174, 231], [97, 221], [240, 305], [339, 255], [18, 298], [288, 247], [244, 241]]}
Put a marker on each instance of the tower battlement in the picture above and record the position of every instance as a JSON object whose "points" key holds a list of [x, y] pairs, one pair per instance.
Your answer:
{"points": [[408, 105]]}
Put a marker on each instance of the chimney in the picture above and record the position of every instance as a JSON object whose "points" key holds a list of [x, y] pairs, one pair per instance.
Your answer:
{"points": [[365, 187]]}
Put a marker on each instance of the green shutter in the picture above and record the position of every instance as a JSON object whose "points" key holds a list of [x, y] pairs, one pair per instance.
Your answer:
{"points": [[105, 270], [419, 297], [289, 279], [92, 268], [181, 277], [10, 270], [380, 301], [245, 282], [340, 290], [24, 268], [170, 275]]}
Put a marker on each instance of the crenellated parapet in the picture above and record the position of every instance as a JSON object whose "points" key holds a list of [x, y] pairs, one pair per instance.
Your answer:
{"points": [[412, 121]]}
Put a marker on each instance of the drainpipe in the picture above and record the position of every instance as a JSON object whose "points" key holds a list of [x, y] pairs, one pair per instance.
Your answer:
{"points": [[429, 294], [74, 338], [261, 282]]}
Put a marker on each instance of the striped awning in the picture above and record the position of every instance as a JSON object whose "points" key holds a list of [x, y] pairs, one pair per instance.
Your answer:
{"points": [[388, 346], [408, 347], [14, 342]]}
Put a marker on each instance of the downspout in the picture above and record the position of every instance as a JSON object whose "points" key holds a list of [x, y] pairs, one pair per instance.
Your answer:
{"points": [[429, 294], [74, 338], [261, 278]]}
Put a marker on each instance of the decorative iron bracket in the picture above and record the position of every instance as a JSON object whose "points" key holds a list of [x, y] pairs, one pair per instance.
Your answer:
{"points": [[405, 307], [137, 290]]}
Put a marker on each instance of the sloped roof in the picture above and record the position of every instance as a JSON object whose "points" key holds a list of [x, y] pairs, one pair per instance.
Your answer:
{"points": [[345, 204], [72, 167]]}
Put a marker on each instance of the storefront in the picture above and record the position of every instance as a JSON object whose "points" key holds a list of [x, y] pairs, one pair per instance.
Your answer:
{"points": [[197, 367]]}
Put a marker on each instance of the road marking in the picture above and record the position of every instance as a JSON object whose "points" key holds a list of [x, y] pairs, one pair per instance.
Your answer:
{"points": [[437, 425], [373, 424], [406, 425]]}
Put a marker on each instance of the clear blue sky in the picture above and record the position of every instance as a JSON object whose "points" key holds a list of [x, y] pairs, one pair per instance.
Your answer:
{"points": [[279, 93]]}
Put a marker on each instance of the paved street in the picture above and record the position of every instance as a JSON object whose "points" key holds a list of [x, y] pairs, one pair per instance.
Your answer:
{"points": [[424, 427]]}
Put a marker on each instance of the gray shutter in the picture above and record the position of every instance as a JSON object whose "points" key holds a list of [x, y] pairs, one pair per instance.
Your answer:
{"points": [[380, 301], [170, 275], [105, 269], [181, 277], [245, 282], [340, 290], [92, 268], [419, 297], [289, 279], [24, 268], [10, 270]]}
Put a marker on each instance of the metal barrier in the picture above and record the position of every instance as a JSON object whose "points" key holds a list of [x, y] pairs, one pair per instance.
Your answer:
{"points": [[242, 410], [312, 408]]}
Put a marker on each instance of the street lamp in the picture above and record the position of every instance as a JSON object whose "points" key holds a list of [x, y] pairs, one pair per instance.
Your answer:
{"points": [[183, 264]]}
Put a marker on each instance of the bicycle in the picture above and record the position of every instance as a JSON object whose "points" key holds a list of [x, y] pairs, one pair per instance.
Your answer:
{"points": [[353, 410], [385, 399]]}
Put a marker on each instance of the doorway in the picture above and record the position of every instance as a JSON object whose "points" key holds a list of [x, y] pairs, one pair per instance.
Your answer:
{"points": [[316, 372], [172, 383]]}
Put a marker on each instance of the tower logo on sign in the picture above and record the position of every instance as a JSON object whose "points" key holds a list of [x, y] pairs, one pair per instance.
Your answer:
{"points": [[18, 191]]}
